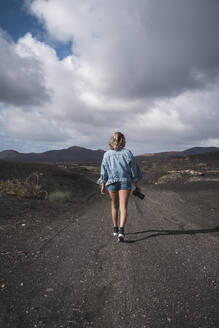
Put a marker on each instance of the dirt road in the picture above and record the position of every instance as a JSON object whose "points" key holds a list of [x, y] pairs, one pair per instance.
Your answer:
{"points": [[165, 274]]}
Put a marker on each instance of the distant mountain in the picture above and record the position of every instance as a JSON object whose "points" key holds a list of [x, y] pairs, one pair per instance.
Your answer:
{"points": [[184, 153], [165, 154], [8, 154], [83, 155], [199, 150], [72, 154]]}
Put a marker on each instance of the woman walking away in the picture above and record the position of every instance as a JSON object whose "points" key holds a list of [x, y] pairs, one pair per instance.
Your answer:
{"points": [[118, 171]]}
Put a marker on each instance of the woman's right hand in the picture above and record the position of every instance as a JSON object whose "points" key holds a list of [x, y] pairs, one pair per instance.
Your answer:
{"points": [[103, 189]]}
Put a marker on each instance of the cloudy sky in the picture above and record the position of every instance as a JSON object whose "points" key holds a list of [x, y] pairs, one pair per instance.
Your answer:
{"points": [[72, 72]]}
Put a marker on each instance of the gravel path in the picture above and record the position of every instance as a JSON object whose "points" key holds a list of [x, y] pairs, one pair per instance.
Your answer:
{"points": [[165, 274]]}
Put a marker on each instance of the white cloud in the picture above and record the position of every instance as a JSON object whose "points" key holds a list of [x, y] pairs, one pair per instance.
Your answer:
{"points": [[138, 49], [31, 125], [147, 68], [21, 79]]}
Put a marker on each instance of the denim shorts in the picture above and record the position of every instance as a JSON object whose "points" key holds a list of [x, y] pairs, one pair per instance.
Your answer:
{"points": [[120, 186]]}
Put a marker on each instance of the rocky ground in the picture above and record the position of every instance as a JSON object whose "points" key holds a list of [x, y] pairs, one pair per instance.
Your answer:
{"points": [[61, 266], [181, 170]]}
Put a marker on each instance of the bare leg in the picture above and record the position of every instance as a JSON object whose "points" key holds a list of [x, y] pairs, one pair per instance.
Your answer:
{"points": [[115, 206], [123, 203]]}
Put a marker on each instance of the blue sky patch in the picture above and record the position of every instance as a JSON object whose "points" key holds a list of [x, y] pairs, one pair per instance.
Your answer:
{"points": [[17, 21]]}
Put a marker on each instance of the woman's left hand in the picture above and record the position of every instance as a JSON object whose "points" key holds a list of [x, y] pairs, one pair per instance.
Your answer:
{"points": [[103, 189]]}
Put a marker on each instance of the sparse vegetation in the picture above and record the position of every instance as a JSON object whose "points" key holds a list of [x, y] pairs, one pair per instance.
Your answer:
{"points": [[59, 196], [28, 187], [180, 170]]}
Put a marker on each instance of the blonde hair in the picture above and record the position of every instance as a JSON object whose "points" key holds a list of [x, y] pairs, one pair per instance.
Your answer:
{"points": [[117, 141]]}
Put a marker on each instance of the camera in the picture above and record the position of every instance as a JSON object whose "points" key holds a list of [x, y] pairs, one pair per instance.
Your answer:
{"points": [[138, 194]]}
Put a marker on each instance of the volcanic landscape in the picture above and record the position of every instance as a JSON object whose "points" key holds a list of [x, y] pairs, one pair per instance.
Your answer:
{"points": [[61, 266]]}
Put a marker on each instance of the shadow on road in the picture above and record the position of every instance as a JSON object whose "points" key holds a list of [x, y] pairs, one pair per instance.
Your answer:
{"points": [[156, 233]]}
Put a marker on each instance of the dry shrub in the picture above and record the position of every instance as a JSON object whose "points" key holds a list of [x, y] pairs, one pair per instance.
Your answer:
{"points": [[26, 188]]}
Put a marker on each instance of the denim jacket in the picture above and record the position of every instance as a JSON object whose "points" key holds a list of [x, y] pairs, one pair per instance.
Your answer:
{"points": [[119, 166]]}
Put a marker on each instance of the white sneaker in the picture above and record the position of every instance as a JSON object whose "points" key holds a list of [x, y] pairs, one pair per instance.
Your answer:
{"points": [[121, 236], [115, 231]]}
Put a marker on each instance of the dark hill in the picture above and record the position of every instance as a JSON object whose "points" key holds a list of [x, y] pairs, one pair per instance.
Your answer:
{"points": [[83, 155], [199, 150], [72, 154], [170, 154]]}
